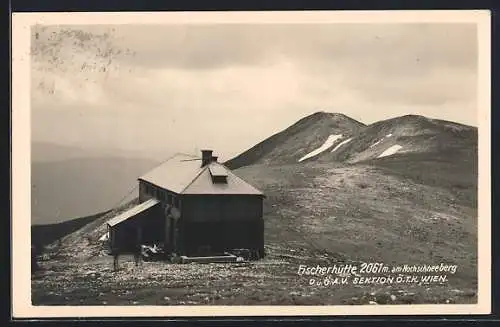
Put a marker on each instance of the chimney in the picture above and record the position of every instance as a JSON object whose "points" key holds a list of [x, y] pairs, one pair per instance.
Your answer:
{"points": [[206, 157]]}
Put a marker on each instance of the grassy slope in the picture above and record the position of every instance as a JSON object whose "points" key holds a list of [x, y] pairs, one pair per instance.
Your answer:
{"points": [[367, 213], [315, 214]]}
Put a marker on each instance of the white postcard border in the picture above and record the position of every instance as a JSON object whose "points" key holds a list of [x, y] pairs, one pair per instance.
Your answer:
{"points": [[21, 163]]}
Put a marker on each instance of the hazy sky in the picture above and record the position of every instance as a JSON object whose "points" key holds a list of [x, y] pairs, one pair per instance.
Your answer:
{"points": [[165, 88]]}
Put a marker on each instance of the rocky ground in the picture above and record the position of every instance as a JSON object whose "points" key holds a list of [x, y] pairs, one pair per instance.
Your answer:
{"points": [[273, 280]]}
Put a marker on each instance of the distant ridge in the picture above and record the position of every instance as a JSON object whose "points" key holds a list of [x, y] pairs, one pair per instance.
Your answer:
{"points": [[336, 137], [81, 186], [408, 134]]}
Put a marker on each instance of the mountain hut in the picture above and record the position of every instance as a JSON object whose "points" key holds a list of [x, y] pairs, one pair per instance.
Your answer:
{"points": [[192, 206]]}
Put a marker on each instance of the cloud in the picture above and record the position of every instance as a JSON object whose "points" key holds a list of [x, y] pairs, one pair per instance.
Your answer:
{"points": [[213, 46], [242, 83]]}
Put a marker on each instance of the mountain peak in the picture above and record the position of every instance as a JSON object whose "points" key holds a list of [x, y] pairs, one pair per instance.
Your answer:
{"points": [[289, 145], [318, 115], [419, 120], [411, 119], [414, 117], [329, 114], [336, 116]]}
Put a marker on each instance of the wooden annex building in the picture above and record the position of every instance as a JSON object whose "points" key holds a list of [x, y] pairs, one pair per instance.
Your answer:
{"points": [[192, 205]]}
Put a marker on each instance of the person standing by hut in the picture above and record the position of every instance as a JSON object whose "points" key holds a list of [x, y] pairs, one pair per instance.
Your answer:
{"points": [[138, 255], [115, 261], [138, 248]]}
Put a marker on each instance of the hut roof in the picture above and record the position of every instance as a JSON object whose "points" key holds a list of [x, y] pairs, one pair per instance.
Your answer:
{"points": [[183, 174]]}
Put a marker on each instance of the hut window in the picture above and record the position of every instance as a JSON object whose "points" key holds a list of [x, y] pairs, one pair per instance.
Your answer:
{"points": [[176, 202], [219, 179]]}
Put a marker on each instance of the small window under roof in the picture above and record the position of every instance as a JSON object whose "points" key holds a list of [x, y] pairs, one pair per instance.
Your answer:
{"points": [[218, 173]]}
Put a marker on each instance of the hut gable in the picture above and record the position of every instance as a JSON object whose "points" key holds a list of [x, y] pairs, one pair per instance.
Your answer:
{"points": [[205, 183]]}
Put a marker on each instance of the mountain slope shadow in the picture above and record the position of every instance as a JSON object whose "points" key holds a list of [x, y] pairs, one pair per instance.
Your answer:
{"points": [[42, 235]]}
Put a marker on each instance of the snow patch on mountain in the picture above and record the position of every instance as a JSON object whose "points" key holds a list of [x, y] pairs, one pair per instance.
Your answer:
{"points": [[328, 144], [371, 146], [374, 144], [390, 151], [341, 143]]}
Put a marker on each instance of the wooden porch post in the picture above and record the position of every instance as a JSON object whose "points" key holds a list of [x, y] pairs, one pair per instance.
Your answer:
{"points": [[111, 238]]}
